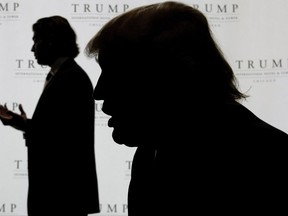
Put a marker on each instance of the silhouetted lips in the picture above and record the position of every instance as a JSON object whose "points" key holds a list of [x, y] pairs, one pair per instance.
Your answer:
{"points": [[110, 122]]}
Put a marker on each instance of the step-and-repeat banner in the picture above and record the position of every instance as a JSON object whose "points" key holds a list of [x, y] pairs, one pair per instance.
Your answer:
{"points": [[252, 34]]}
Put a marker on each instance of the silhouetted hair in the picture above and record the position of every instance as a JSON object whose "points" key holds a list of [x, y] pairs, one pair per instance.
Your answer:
{"points": [[174, 37], [58, 29]]}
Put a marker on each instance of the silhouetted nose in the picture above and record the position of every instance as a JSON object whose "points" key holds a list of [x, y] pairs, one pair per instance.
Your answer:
{"points": [[99, 89], [97, 93], [33, 48]]}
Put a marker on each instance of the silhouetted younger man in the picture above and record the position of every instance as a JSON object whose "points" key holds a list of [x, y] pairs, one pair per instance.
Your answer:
{"points": [[60, 134]]}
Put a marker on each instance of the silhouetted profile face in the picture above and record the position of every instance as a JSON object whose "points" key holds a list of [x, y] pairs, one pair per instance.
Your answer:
{"points": [[156, 60], [124, 99], [43, 49], [53, 38]]}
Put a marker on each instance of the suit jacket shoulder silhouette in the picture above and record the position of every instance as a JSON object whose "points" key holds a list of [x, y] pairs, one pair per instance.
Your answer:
{"points": [[221, 160], [60, 142]]}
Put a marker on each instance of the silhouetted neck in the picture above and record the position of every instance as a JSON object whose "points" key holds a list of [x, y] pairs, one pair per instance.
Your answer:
{"points": [[57, 64]]}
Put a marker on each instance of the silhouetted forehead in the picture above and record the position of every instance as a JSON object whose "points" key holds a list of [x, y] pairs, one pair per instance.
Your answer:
{"points": [[37, 36]]}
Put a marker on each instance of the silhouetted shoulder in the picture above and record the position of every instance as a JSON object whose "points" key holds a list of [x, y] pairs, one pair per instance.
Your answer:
{"points": [[270, 131], [266, 128]]}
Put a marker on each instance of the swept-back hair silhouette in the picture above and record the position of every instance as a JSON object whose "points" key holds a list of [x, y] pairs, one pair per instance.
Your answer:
{"points": [[169, 34]]}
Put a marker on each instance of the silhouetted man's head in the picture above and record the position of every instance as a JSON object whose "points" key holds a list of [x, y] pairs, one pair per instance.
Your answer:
{"points": [[53, 38], [158, 63]]}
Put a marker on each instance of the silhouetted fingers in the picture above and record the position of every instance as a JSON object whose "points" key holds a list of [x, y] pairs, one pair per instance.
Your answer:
{"points": [[21, 110]]}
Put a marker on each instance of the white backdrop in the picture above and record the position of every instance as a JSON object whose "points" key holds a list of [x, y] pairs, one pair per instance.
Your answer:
{"points": [[252, 35]]}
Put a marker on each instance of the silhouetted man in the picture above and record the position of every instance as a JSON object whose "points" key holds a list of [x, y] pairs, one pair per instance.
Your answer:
{"points": [[60, 134], [171, 93]]}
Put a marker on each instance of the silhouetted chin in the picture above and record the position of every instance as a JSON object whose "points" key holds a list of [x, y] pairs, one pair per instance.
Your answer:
{"points": [[41, 62], [117, 137], [121, 138]]}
